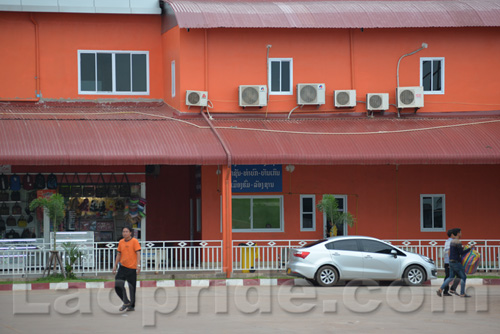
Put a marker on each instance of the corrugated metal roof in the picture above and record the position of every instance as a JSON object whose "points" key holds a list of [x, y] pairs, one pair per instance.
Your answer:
{"points": [[104, 134], [363, 141], [151, 133], [335, 14]]}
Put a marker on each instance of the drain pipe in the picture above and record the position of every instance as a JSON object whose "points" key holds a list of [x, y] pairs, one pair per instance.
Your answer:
{"points": [[227, 232]]}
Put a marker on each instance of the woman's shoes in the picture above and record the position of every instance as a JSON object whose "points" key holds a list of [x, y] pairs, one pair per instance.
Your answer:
{"points": [[453, 292], [465, 295], [439, 292], [124, 307]]}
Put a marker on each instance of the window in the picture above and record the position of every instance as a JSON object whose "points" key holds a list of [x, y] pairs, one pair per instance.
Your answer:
{"points": [[346, 245], [307, 213], [432, 213], [341, 228], [113, 72], [432, 75], [257, 213], [280, 76], [373, 246]]}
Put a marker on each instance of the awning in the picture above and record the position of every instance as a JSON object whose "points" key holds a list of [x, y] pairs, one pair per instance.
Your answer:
{"points": [[363, 141], [104, 134], [153, 133]]}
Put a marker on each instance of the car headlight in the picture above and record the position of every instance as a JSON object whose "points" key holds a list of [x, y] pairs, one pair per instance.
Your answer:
{"points": [[427, 259]]}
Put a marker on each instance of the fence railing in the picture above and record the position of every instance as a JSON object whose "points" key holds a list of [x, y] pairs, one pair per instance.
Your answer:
{"points": [[205, 255], [489, 250], [99, 257]]}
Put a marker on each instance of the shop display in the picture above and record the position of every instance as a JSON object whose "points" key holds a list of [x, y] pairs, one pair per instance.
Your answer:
{"points": [[92, 204]]}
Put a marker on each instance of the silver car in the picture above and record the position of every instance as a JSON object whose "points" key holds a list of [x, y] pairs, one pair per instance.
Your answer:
{"points": [[325, 262]]}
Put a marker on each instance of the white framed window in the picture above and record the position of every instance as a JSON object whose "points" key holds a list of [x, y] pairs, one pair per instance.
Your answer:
{"points": [[113, 72], [173, 77], [257, 213], [432, 75], [307, 213], [280, 76], [432, 213]]}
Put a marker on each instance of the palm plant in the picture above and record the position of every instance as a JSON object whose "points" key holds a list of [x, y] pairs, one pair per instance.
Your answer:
{"points": [[55, 205], [330, 207]]}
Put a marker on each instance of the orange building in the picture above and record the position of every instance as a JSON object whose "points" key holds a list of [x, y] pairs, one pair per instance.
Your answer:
{"points": [[236, 118]]}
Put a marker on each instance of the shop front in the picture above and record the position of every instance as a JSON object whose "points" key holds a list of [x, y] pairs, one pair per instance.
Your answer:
{"points": [[100, 203]]}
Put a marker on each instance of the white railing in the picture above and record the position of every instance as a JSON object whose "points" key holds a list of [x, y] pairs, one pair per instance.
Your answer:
{"points": [[489, 250], [99, 257], [206, 255], [250, 255]]}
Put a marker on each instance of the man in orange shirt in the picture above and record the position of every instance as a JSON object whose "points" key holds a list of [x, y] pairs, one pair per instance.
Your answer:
{"points": [[129, 251]]}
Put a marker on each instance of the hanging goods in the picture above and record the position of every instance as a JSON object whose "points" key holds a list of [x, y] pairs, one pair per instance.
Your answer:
{"points": [[76, 188], [124, 189], [88, 189], [64, 187]]}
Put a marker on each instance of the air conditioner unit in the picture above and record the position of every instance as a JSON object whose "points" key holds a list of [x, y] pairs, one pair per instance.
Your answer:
{"points": [[253, 95], [410, 97], [345, 98], [311, 94], [377, 101], [196, 98]]}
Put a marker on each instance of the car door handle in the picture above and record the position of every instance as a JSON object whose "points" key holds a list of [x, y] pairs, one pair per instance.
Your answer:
{"points": [[368, 257], [336, 254]]}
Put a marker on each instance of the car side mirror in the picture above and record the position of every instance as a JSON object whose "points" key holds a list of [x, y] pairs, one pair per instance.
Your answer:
{"points": [[393, 252]]}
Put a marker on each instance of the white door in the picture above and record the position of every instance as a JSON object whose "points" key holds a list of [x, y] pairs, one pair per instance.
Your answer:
{"points": [[347, 258], [378, 261]]}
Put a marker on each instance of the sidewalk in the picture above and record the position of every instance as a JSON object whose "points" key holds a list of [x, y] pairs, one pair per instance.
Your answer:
{"points": [[200, 283]]}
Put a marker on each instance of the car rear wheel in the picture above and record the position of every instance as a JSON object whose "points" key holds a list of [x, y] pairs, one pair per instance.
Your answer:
{"points": [[414, 275], [327, 276]]}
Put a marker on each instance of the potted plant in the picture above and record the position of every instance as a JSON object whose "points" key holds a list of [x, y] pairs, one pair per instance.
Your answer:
{"points": [[55, 207], [330, 207], [72, 254]]}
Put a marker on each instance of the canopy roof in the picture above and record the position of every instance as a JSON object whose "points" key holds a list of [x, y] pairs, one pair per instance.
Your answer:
{"points": [[153, 133]]}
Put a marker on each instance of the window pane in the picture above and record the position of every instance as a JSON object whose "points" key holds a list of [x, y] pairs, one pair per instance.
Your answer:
{"points": [[349, 245], [285, 76], [376, 247], [139, 75], [87, 72], [307, 220], [307, 205], [438, 212], [275, 76], [104, 73], [426, 75], [436, 76], [241, 213], [427, 212], [266, 213], [122, 61]]}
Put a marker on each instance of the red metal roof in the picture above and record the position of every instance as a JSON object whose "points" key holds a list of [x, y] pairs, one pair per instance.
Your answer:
{"points": [[152, 133], [335, 13], [103, 134], [363, 141]]}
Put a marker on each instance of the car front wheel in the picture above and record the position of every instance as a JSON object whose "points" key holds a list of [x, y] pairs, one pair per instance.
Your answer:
{"points": [[414, 275], [327, 276]]}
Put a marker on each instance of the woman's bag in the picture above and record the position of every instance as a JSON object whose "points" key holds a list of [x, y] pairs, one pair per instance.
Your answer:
{"points": [[470, 261]]}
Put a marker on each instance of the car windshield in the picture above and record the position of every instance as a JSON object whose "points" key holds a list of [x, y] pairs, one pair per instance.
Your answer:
{"points": [[314, 243]]}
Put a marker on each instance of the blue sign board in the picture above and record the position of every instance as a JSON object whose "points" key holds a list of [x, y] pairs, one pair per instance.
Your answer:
{"points": [[256, 178]]}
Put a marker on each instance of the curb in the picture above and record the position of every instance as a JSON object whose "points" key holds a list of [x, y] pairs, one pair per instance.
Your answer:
{"points": [[199, 283]]}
